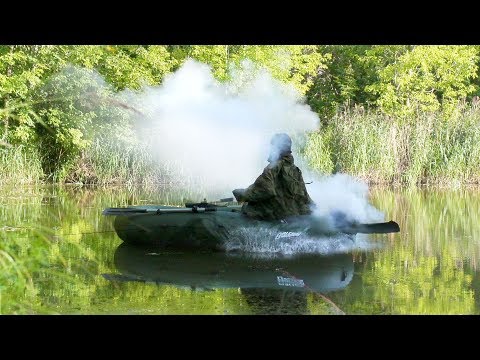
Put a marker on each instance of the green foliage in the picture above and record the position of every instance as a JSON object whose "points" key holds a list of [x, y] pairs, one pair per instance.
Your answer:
{"points": [[59, 99], [20, 73], [427, 78], [293, 64], [349, 70], [56, 101], [107, 162], [319, 153], [49, 102], [81, 106], [454, 150]]}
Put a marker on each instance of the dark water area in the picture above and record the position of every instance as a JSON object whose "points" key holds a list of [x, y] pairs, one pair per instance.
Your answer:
{"points": [[430, 267]]}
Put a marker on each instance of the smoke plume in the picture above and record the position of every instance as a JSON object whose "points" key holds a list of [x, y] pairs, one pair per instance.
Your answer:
{"points": [[218, 133]]}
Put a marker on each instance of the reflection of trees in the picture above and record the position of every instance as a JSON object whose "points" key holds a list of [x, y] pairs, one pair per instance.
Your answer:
{"points": [[399, 282], [435, 222], [476, 289], [276, 301], [286, 302], [424, 271], [61, 244]]}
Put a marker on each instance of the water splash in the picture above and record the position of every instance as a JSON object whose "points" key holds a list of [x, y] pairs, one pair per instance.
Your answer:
{"points": [[264, 242]]}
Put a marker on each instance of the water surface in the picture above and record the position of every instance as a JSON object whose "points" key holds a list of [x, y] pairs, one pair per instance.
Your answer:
{"points": [[430, 267]]}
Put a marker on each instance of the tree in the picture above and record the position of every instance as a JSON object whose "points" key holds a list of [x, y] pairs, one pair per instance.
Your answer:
{"points": [[297, 64], [350, 69], [427, 78]]}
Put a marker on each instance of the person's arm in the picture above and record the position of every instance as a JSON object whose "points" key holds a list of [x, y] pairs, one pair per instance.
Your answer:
{"points": [[263, 187], [238, 193]]}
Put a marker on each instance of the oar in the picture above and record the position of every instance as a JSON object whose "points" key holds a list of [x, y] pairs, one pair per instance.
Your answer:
{"points": [[375, 228]]}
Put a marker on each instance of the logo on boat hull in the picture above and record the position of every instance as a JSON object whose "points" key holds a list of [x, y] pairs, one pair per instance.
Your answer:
{"points": [[286, 281], [287, 234]]}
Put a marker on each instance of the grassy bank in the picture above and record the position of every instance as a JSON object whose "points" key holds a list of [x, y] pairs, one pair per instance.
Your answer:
{"points": [[427, 149], [109, 163], [20, 165]]}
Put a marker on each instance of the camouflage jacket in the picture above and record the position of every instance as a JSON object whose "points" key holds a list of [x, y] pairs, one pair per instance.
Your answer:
{"points": [[278, 192]]}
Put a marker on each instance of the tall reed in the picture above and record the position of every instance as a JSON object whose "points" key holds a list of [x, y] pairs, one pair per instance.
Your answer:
{"points": [[427, 149], [20, 165]]}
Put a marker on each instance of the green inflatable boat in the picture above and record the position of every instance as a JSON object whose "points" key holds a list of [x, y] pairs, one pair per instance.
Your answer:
{"points": [[208, 226]]}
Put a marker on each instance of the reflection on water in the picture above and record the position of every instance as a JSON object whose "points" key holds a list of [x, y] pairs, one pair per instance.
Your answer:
{"points": [[269, 285], [206, 270], [430, 267]]}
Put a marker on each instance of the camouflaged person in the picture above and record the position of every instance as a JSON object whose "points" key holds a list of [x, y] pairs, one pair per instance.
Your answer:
{"points": [[279, 192]]}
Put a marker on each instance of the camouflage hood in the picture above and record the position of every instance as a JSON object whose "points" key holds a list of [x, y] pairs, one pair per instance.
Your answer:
{"points": [[279, 192]]}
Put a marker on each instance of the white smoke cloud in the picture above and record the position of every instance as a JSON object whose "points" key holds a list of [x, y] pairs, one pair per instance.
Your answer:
{"points": [[345, 194], [220, 133]]}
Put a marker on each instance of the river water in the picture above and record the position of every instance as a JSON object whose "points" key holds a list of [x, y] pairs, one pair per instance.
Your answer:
{"points": [[430, 267]]}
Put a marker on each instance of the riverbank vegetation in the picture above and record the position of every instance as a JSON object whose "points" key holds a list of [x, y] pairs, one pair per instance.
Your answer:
{"points": [[390, 114]]}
